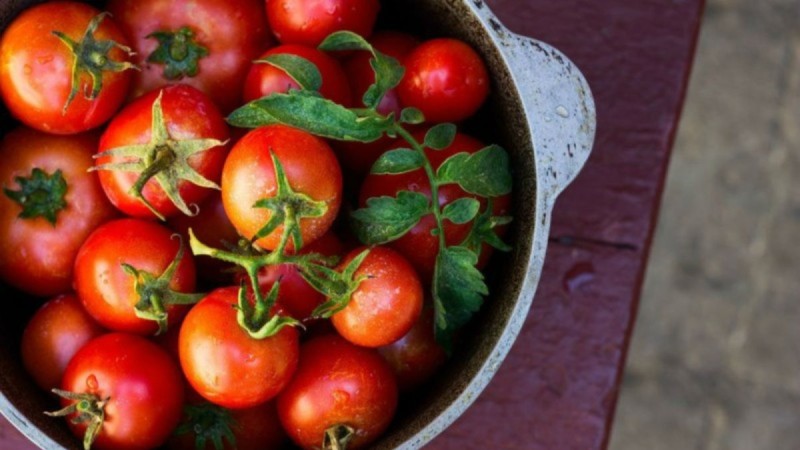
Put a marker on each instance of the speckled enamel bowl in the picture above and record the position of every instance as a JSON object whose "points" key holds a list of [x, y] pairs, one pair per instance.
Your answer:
{"points": [[540, 110]]}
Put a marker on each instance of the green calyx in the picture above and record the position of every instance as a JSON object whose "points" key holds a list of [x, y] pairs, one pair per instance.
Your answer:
{"points": [[178, 52], [40, 195], [208, 423], [287, 207], [255, 317], [88, 408], [92, 57], [164, 159], [339, 288], [155, 295], [338, 437]]}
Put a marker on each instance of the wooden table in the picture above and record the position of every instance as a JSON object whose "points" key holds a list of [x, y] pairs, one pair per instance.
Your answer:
{"points": [[558, 387]]}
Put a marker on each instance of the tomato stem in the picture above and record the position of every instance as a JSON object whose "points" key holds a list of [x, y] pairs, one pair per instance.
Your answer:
{"points": [[86, 408], [338, 437]]}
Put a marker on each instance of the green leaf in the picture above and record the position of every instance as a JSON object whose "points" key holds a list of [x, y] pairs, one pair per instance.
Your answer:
{"points": [[301, 70], [458, 291], [388, 71], [40, 195], [398, 161], [441, 136], [388, 218], [483, 231], [462, 210], [309, 112], [485, 173], [412, 116]]}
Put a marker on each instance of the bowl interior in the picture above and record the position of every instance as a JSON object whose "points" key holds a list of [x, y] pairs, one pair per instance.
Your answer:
{"points": [[501, 121]]}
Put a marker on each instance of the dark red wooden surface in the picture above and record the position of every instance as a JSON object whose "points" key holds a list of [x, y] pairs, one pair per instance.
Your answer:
{"points": [[558, 387]]}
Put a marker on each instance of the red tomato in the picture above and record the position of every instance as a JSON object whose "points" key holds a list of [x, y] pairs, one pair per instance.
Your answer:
{"points": [[141, 384], [249, 176], [211, 226], [36, 68], [108, 291], [359, 157], [417, 356], [255, 428], [37, 256], [54, 334], [419, 246], [296, 295], [385, 305], [227, 366], [189, 115], [338, 383], [445, 79], [232, 34], [309, 23], [264, 79]]}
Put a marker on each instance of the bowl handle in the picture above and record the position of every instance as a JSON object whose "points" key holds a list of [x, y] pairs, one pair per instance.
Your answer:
{"points": [[559, 106]]}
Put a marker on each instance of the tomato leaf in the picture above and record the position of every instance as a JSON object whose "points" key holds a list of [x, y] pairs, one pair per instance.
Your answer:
{"points": [[483, 231], [440, 136], [398, 161], [301, 70], [309, 112], [411, 116], [388, 71], [458, 291], [462, 210], [388, 218], [486, 173]]}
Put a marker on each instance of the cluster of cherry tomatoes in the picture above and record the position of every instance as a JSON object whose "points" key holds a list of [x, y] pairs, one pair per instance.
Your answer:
{"points": [[191, 266]]}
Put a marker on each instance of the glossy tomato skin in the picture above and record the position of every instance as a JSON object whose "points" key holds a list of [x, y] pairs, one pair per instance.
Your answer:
{"points": [[359, 157], [309, 23], [234, 33], [264, 79], [107, 290], [249, 175], [36, 69], [416, 357], [143, 385], [212, 227], [419, 246], [54, 334], [338, 383], [386, 304], [227, 366], [36, 256], [189, 114], [446, 79], [254, 428]]}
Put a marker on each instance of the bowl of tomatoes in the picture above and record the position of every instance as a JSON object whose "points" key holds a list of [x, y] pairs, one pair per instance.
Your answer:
{"points": [[217, 227]]}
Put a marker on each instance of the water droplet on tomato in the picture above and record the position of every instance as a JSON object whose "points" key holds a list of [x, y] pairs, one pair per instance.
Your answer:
{"points": [[91, 383], [578, 276]]}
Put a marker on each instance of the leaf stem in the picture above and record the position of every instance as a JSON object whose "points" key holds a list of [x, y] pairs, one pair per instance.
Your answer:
{"points": [[428, 167]]}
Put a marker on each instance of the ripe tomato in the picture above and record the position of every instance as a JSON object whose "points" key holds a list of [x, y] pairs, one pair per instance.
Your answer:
{"points": [[140, 384], [48, 175], [338, 383], [311, 169], [255, 428], [54, 334], [36, 68], [297, 297], [264, 79], [191, 123], [208, 44], [386, 303], [356, 156], [445, 79], [419, 246], [309, 23], [108, 291], [227, 366], [417, 356], [211, 226]]}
